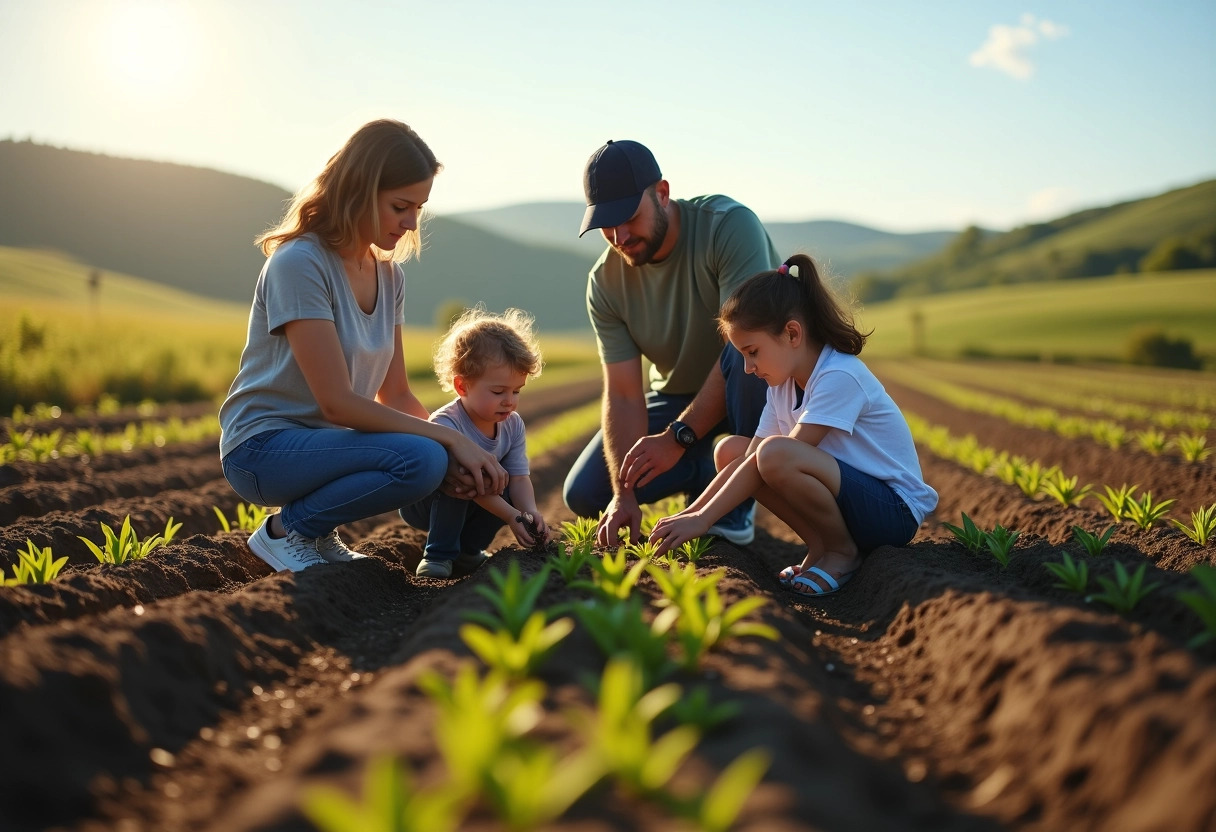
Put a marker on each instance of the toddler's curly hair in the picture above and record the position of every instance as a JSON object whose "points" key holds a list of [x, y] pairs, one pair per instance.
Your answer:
{"points": [[479, 340]]}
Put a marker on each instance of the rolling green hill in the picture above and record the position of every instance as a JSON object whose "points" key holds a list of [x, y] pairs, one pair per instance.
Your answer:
{"points": [[1090, 243], [193, 229], [847, 247], [1060, 320]]}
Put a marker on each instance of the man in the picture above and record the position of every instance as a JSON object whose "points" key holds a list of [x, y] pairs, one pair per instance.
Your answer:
{"points": [[655, 293]]}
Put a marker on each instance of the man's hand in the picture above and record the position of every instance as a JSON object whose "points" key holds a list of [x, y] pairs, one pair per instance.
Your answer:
{"points": [[649, 457], [622, 513]]}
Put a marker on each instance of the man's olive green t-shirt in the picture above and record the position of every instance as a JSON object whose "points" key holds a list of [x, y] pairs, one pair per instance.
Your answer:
{"points": [[667, 311]]}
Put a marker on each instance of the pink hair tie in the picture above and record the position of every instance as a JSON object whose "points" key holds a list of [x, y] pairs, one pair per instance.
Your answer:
{"points": [[783, 269]]}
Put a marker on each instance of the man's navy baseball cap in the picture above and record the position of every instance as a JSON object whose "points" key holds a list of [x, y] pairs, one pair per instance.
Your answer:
{"points": [[616, 177]]}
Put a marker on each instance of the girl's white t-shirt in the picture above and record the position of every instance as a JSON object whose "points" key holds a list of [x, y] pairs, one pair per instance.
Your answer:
{"points": [[867, 429]]}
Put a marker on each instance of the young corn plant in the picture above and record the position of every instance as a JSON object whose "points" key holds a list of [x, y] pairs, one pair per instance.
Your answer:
{"points": [[1032, 477], [1073, 575], [1124, 592], [122, 546], [391, 803], [1152, 440], [620, 628], [170, 532], [1145, 513], [970, 535], [248, 517], [1203, 525], [1009, 469], [1000, 543], [1092, 543], [696, 708], [516, 655], [675, 581], [35, 565], [513, 599], [693, 549], [1110, 434], [643, 550], [612, 576], [581, 531], [1203, 603], [1192, 446], [1064, 489], [705, 622], [569, 562], [1118, 502]]}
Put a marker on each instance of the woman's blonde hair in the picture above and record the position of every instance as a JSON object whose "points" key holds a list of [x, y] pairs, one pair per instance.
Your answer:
{"points": [[479, 340], [381, 155]]}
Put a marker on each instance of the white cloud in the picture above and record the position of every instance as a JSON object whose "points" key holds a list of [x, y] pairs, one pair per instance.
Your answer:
{"points": [[1006, 47], [1049, 203]]}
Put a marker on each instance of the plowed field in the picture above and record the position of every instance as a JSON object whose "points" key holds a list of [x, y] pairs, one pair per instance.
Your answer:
{"points": [[196, 690]]}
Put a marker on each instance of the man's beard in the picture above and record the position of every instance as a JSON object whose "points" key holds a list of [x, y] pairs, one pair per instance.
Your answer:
{"points": [[653, 241]]}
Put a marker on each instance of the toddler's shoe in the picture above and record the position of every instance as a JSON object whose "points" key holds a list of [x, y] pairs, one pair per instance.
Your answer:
{"points": [[434, 568], [293, 553], [333, 550], [463, 564]]}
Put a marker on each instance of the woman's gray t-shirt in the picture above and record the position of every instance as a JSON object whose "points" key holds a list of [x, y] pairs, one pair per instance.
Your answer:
{"points": [[305, 280]]}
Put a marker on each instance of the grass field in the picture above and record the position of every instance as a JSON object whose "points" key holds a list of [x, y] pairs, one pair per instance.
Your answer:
{"points": [[136, 340], [1075, 319]]}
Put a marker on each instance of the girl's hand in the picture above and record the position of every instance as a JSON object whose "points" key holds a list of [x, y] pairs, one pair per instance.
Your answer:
{"points": [[489, 476], [671, 532]]}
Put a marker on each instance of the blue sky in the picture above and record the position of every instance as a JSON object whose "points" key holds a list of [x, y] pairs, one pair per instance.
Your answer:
{"points": [[900, 115]]}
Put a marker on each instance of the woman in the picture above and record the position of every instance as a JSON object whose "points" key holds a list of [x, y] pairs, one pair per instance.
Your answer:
{"points": [[320, 419]]}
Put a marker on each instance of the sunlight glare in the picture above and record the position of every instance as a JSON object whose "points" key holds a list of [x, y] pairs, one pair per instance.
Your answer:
{"points": [[149, 46]]}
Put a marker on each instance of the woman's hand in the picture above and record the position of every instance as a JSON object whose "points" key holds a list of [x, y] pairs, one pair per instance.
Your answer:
{"points": [[489, 477], [671, 532]]}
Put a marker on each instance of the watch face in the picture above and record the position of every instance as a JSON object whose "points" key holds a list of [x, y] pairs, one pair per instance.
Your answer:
{"points": [[685, 436]]}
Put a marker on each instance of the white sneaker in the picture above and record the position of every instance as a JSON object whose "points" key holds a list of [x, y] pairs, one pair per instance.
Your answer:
{"points": [[736, 534], [333, 550], [295, 553]]}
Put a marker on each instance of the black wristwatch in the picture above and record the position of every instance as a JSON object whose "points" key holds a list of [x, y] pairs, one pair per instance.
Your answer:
{"points": [[685, 435]]}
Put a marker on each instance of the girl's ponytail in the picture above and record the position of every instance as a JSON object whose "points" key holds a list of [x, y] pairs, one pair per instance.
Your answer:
{"points": [[765, 302]]}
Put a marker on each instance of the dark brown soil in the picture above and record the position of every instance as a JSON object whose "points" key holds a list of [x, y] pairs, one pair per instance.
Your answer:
{"points": [[196, 690]]}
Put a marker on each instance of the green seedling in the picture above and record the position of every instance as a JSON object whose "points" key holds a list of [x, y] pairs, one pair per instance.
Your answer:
{"points": [[1203, 602], [1000, 543], [1064, 489], [1203, 525], [1145, 513], [1124, 592], [643, 550], [1032, 477], [612, 576], [705, 622], [676, 581], [1118, 502], [1009, 470], [1192, 446], [580, 532], [654, 512], [693, 549], [87, 443], [34, 566], [171, 530], [620, 733], [516, 656], [513, 599], [527, 786], [123, 546], [391, 803], [1073, 575], [719, 808], [1110, 434], [695, 708], [569, 562], [1092, 543], [248, 517], [970, 535], [1152, 440], [619, 627]]}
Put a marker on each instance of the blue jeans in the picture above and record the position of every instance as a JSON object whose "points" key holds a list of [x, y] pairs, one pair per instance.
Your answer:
{"points": [[324, 477], [452, 525], [588, 488]]}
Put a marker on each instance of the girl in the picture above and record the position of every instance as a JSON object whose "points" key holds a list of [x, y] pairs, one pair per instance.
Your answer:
{"points": [[486, 360], [320, 418], [832, 456]]}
